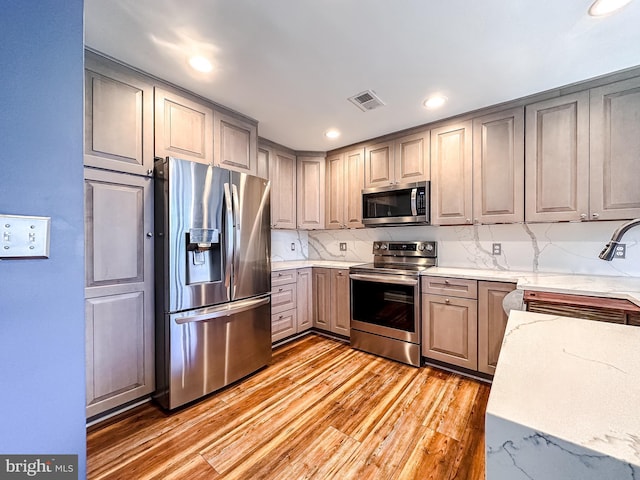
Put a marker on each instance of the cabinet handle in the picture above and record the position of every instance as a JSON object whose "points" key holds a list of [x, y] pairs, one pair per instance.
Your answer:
{"points": [[583, 216], [595, 215], [149, 234], [279, 289], [468, 220], [446, 300], [446, 282]]}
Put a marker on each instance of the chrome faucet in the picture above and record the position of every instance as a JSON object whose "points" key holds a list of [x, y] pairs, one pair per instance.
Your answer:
{"points": [[610, 248]]}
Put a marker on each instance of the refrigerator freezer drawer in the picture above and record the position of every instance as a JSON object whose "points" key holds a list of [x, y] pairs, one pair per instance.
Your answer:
{"points": [[207, 349]]}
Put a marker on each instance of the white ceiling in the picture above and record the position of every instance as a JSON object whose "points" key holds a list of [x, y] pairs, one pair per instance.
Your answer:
{"points": [[291, 64]]}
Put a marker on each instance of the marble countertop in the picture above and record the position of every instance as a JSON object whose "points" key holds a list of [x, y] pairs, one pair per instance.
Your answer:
{"points": [[564, 400], [278, 266], [593, 285]]}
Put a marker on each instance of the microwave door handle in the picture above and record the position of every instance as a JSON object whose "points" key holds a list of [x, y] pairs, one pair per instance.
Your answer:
{"points": [[236, 221], [414, 206], [229, 239]]}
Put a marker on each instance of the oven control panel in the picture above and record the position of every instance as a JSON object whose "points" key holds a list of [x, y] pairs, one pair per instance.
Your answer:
{"points": [[405, 249]]}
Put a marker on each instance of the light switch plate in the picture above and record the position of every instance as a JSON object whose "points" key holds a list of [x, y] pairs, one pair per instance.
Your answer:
{"points": [[24, 236]]}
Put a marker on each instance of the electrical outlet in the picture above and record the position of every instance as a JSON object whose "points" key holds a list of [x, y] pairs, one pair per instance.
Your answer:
{"points": [[343, 246], [497, 249], [621, 251], [293, 247]]}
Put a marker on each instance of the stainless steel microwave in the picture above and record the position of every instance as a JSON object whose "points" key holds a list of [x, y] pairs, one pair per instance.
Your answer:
{"points": [[406, 204]]}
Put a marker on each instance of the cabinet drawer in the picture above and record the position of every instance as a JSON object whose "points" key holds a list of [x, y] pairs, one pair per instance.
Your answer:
{"points": [[453, 287], [283, 325], [283, 277], [283, 298]]}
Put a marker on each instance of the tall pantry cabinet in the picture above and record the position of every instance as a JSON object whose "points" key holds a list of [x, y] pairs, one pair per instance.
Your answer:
{"points": [[119, 301]]}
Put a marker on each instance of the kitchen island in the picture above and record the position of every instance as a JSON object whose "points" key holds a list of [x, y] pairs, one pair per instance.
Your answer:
{"points": [[564, 402]]}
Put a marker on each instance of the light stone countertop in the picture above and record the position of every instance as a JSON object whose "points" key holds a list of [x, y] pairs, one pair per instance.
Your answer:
{"points": [[627, 288], [564, 401], [279, 266]]}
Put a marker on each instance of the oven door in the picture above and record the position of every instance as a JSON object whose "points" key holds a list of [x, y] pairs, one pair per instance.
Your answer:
{"points": [[387, 305]]}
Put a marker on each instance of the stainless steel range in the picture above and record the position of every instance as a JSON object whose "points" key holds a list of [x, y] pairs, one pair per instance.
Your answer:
{"points": [[385, 300]]}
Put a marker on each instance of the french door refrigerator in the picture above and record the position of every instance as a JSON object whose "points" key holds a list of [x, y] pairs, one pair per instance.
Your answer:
{"points": [[213, 249]]}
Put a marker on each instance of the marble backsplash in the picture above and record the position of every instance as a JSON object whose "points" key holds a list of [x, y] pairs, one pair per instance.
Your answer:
{"points": [[536, 247]]}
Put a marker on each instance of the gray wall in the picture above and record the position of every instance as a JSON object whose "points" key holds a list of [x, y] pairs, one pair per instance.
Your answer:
{"points": [[41, 301]]}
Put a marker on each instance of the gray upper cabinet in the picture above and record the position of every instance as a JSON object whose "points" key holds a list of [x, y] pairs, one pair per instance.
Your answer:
{"points": [[118, 289], [310, 187], [262, 169], [452, 174], [615, 151], [183, 127], [498, 167], [118, 118], [282, 173], [345, 179], [378, 165], [235, 142], [557, 152], [403, 160], [411, 158]]}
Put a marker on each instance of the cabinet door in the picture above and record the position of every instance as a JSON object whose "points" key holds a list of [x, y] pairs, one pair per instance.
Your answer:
{"points": [[310, 186], [304, 300], [283, 325], [492, 321], [183, 127], [378, 165], [557, 151], [615, 143], [235, 142], [119, 301], [283, 298], [118, 119], [335, 193], [322, 298], [451, 173], [263, 162], [282, 173], [498, 167], [412, 162], [353, 184], [449, 330], [340, 302]]}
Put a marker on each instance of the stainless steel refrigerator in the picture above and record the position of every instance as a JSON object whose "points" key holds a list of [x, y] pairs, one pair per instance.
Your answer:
{"points": [[213, 249]]}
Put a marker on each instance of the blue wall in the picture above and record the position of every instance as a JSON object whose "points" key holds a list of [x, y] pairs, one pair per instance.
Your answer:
{"points": [[42, 384]]}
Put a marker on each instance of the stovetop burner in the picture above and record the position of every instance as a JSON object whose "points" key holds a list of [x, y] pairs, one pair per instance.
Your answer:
{"points": [[400, 258]]}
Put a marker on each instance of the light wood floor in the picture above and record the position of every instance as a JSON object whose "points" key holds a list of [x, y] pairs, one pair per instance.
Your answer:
{"points": [[320, 410]]}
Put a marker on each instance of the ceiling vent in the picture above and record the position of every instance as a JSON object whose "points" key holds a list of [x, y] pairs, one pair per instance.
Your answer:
{"points": [[366, 100]]}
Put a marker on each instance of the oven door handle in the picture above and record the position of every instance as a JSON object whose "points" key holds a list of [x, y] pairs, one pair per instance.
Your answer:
{"points": [[384, 279]]}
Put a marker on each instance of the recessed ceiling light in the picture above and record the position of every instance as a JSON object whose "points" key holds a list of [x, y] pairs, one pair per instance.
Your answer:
{"points": [[332, 133], [200, 64], [605, 7], [435, 101]]}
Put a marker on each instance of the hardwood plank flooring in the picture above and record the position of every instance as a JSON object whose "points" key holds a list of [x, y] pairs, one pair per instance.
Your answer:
{"points": [[320, 410]]}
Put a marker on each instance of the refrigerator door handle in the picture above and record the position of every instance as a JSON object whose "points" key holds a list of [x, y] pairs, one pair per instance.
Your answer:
{"points": [[222, 311], [229, 239], [236, 220]]}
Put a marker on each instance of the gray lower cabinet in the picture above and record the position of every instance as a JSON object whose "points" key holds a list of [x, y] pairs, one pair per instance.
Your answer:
{"points": [[304, 306], [291, 302], [492, 321], [331, 300], [119, 303], [463, 321], [118, 118]]}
